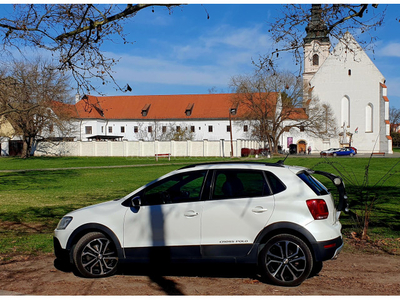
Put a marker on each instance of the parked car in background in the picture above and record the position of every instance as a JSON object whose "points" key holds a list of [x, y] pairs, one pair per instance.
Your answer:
{"points": [[329, 152], [351, 151], [232, 212]]}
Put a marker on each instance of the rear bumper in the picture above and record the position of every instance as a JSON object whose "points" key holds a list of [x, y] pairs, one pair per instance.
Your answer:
{"points": [[328, 249]]}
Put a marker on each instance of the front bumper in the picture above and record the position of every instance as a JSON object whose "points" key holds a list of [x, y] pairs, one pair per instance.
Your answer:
{"points": [[60, 253]]}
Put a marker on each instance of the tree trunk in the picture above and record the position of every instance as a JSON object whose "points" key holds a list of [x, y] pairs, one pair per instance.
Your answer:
{"points": [[27, 147]]}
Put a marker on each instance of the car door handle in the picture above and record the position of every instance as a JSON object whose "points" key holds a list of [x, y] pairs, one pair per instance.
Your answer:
{"points": [[191, 214], [259, 209]]}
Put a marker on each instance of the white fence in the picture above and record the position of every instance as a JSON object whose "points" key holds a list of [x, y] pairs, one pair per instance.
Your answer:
{"points": [[205, 148]]}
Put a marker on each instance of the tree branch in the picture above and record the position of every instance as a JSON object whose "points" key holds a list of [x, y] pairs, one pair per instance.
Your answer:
{"points": [[130, 9]]}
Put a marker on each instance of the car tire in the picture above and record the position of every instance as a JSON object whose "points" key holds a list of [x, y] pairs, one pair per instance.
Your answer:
{"points": [[334, 154], [317, 267], [95, 256], [351, 154], [286, 260]]}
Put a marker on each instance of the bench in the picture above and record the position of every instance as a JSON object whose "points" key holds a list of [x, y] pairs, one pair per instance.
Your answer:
{"points": [[378, 153], [163, 155]]}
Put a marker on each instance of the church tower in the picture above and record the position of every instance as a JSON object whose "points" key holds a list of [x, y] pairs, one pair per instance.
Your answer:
{"points": [[316, 44]]}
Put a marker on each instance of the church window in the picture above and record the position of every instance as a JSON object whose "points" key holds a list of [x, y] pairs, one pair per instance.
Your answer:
{"points": [[368, 118], [345, 112], [315, 60]]}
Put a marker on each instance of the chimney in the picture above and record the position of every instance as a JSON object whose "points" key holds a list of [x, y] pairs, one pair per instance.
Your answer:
{"points": [[77, 98]]}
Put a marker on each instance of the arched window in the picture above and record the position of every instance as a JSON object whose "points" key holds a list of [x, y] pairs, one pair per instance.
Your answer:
{"points": [[368, 118], [315, 60], [345, 111]]}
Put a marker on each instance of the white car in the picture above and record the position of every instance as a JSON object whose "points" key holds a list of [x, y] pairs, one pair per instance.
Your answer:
{"points": [[276, 216]]}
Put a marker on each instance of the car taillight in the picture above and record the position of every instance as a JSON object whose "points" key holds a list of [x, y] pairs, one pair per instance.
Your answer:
{"points": [[318, 209]]}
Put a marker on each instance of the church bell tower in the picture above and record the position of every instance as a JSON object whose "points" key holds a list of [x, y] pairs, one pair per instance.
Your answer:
{"points": [[316, 44]]}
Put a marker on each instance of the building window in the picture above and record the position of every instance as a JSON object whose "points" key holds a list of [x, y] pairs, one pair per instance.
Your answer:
{"points": [[368, 118], [178, 128], [102, 129], [246, 128], [315, 60], [109, 129], [210, 128], [192, 129], [301, 128], [122, 129], [164, 129], [349, 72], [228, 128], [345, 112], [88, 129], [150, 129]]}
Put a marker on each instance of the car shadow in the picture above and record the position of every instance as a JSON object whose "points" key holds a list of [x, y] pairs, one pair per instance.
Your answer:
{"points": [[159, 273]]}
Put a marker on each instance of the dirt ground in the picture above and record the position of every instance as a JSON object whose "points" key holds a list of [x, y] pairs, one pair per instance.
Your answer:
{"points": [[351, 274]]}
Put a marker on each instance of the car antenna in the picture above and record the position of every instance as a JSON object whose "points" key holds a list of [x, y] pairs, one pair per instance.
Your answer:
{"points": [[282, 162]]}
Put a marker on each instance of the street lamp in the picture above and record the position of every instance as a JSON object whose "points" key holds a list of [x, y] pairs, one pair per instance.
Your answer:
{"points": [[232, 111]]}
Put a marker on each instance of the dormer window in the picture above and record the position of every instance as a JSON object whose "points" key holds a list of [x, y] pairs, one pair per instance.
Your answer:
{"points": [[189, 109], [233, 111], [145, 110]]}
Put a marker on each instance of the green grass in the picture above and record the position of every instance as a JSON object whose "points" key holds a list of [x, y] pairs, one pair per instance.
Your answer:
{"points": [[32, 202]]}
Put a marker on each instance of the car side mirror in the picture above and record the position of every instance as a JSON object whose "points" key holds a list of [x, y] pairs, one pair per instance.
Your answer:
{"points": [[136, 202]]}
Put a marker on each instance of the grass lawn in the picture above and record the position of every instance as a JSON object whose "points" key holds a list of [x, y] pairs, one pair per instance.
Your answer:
{"points": [[32, 200]]}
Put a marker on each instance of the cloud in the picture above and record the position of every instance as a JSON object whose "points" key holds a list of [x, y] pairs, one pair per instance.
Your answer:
{"points": [[392, 49], [207, 60]]}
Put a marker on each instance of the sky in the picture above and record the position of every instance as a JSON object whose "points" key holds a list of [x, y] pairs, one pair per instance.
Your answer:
{"points": [[185, 52]]}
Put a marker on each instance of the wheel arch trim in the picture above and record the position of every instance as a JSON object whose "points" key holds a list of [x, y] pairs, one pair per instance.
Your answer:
{"points": [[290, 228], [91, 227]]}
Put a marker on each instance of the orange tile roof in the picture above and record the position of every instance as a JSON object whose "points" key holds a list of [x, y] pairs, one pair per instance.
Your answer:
{"points": [[163, 107]]}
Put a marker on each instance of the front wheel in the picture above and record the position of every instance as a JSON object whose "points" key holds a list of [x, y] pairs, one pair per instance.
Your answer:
{"points": [[95, 255], [286, 260]]}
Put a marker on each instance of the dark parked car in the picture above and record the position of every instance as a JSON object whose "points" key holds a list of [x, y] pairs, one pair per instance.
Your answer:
{"points": [[339, 152]]}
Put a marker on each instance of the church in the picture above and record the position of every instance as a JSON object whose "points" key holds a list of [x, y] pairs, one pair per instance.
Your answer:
{"points": [[347, 80]]}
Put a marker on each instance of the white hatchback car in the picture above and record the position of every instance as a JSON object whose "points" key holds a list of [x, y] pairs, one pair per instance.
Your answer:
{"points": [[279, 217]]}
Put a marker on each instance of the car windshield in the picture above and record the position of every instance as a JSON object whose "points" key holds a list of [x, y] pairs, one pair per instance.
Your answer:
{"points": [[313, 183]]}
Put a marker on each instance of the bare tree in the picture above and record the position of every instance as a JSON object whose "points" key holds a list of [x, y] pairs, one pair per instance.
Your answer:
{"points": [[394, 116], [73, 33], [288, 32], [274, 103], [30, 94]]}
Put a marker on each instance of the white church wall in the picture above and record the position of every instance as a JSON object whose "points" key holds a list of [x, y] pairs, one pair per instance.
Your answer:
{"points": [[353, 77]]}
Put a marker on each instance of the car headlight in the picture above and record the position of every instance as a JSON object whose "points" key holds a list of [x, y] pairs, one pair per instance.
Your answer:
{"points": [[64, 222]]}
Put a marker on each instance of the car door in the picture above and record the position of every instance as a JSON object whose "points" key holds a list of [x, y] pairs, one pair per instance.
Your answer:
{"points": [[167, 222], [239, 207]]}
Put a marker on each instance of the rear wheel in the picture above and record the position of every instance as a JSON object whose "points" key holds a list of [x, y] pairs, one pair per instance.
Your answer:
{"points": [[286, 260], [95, 255]]}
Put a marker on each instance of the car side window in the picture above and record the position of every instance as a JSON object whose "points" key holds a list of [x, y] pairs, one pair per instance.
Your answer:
{"points": [[229, 184], [275, 184], [185, 187]]}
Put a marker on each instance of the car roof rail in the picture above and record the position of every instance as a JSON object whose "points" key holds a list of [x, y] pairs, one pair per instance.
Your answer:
{"points": [[277, 164]]}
